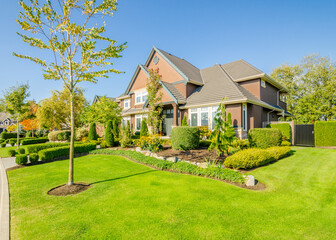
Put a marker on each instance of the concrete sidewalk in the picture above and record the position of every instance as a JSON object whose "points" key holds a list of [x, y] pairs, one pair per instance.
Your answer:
{"points": [[4, 197]]}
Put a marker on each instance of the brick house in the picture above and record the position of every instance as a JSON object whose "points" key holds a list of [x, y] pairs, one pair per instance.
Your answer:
{"points": [[5, 121], [250, 95]]}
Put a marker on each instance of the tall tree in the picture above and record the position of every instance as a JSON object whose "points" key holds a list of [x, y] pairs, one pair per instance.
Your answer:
{"points": [[15, 102], [311, 86], [71, 31], [104, 110], [55, 112], [154, 96]]}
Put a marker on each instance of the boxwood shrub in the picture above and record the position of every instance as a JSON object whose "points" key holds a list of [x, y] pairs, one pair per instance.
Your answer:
{"points": [[285, 129], [7, 135], [11, 152], [38, 147], [181, 167], [12, 143], [255, 157], [21, 150], [185, 138], [34, 141], [264, 137], [3, 145], [53, 153], [21, 159], [33, 158], [325, 133]]}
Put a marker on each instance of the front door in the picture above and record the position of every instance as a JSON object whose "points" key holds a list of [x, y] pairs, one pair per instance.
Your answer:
{"points": [[167, 121]]}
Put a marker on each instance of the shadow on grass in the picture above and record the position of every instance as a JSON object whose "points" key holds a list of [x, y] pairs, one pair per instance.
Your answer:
{"points": [[132, 175]]}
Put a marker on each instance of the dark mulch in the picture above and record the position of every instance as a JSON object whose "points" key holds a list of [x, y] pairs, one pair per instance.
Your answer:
{"points": [[196, 155], [65, 190]]}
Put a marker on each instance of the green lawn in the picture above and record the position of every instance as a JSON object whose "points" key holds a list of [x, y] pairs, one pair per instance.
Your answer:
{"points": [[132, 201], [4, 151]]}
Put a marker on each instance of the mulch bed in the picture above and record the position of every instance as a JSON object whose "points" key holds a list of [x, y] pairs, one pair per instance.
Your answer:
{"points": [[65, 190], [197, 155]]}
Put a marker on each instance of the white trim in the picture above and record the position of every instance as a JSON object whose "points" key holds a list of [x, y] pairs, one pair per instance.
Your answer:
{"points": [[244, 116], [128, 100]]}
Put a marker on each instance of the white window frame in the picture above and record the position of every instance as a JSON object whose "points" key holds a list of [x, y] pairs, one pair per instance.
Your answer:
{"points": [[125, 119], [244, 116], [139, 116], [128, 101], [142, 95], [213, 111], [204, 110], [263, 84], [193, 111]]}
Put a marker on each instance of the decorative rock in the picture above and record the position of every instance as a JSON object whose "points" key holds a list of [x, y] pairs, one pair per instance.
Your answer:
{"points": [[250, 181], [148, 154], [203, 165], [172, 159], [161, 158], [154, 155], [138, 149]]}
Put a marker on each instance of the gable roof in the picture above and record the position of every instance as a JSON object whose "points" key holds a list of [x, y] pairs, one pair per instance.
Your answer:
{"points": [[173, 92], [191, 72], [96, 98], [220, 87], [4, 116]]}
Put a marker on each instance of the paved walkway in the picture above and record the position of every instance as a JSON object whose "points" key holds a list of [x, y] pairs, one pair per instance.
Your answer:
{"points": [[4, 197]]}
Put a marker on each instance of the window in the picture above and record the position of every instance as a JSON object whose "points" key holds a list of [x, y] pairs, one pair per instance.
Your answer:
{"points": [[127, 103], [193, 117], [263, 84], [204, 116], [244, 117], [138, 120], [213, 115], [125, 120], [156, 60], [141, 97]]}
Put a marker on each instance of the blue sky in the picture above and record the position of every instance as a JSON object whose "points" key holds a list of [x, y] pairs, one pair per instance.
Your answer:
{"points": [[264, 33]]}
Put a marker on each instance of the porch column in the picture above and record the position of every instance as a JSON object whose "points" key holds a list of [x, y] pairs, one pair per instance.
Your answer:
{"points": [[175, 115]]}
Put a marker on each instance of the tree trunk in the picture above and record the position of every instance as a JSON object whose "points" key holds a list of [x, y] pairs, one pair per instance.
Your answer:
{"points": [[17, 133], [72, 142]]}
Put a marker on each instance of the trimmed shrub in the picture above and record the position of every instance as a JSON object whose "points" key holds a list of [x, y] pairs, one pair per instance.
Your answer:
{"points": [[21, 150], [12, 143], [285, 143], [115, 128], [144, 128], [185, 138], [21, 159], [255, 157], [7, 135], [249, 158], [3, 145], [34, 141], [204, 143], [11, 152], [53, 153], [28, 134], [2, 140], [325, 133], [264, 137], [184, 122], [285, 129], [33, 158], [109, 136], [38, 147], [241, 143], [181, 167], [93, 132], [59, 136]]}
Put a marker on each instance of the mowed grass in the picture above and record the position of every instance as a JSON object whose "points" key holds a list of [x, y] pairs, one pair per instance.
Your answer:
{"points": [[132, 201], [4, 151]]}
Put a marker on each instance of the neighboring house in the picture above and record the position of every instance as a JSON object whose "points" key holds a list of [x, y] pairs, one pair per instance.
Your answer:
{"points": [[96, 99], [5, 121], [250, 95]]}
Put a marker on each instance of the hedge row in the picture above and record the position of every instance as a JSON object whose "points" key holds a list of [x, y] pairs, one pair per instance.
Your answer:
{"points": [[185, 138], [52, 153], [181, 167], [34, 141], [264, 137], [38, 147], [255, 157], [285, 129], [7, 135], [325, 133]]}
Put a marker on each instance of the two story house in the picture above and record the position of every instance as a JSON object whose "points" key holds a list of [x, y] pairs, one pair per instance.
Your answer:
{"points": [[5, 121], [250, 95]]}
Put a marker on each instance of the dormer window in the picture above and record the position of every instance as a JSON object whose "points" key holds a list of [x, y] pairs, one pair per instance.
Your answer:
{"points": [[263, 84], [127, 103]]}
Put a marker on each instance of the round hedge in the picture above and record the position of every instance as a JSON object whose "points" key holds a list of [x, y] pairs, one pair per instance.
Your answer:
{"points": [[21, 159], [33, 158], [21, 150], [185, 138]]}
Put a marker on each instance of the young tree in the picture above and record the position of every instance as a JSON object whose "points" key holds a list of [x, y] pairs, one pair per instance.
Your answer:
{"points": [[101, 112], [116, 128], [71, 31], [144, 128], [55, 111], [125, 135], [222, 135], [109, 136], [93, 132], [153, 86], [184, 121], [15, 102], [30, 124]]}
